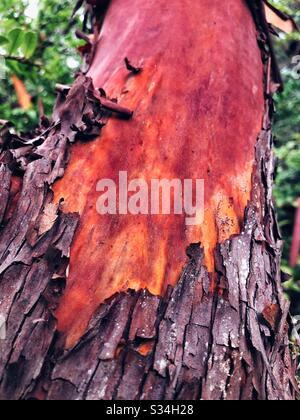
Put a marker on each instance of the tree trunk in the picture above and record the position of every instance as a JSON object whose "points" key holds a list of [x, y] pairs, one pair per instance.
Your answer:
{"points": [[94, 307]]}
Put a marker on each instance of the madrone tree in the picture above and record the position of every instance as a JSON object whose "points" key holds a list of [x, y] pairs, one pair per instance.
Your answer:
{"points": [[145, 306]]}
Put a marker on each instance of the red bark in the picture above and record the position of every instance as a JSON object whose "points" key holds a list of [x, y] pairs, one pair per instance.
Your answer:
{"points": [[187, 124]]}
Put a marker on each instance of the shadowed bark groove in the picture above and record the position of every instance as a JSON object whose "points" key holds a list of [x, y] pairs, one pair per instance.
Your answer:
{"points": [[204, 339]]}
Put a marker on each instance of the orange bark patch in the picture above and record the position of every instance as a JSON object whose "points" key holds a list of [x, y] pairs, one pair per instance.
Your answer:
{"points": [[15, 191], [145, 348], [198, 110]]}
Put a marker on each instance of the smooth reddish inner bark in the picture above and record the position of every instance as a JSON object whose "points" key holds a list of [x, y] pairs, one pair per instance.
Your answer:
{"points": [[198, 110]]}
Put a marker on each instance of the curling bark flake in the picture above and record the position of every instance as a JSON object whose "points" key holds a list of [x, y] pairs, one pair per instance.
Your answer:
{"points": [[102, 315]]}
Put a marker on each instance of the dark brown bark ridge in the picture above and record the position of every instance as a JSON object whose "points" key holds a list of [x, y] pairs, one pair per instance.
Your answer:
{"points": [[190, 344]]}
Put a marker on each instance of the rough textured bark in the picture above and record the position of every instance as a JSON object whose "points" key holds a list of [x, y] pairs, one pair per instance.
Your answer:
{"points": [[221, 330]]}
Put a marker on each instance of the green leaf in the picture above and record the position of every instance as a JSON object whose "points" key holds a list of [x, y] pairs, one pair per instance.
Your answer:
{"points": [[15, 37], [29, 44], [3, 40]]}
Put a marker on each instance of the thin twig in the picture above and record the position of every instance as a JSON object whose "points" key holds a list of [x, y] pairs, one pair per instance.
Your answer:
{"points": [[62, 88], [82, 35], [21, 60]]}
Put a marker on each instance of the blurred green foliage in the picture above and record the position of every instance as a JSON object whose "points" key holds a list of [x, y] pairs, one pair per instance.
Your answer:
{"points": [[287, 132], [37, 44]]}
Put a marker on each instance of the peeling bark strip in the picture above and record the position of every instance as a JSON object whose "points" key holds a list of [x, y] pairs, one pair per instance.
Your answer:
{"points": [[196, 342]]}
